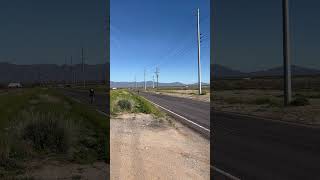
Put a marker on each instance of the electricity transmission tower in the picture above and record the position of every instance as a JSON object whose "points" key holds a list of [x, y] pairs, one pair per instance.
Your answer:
{"points": [[199, 65], [157, 75], [145, 83], [72, 73], [153, 82], [135, 82], [286, 53], [83, 74]]}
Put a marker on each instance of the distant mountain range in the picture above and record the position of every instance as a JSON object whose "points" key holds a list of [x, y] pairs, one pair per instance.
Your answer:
{"points": [[141, 84], [51, 72], [149, 84], [220, 71]]}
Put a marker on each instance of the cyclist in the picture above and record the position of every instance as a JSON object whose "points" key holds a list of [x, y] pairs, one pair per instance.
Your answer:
{"points": [[91, 94]]}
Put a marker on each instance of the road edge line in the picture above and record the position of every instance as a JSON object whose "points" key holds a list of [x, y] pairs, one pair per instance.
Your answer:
{"points": [[177, 115], [225, 173], [101, 112], [268, 119]]}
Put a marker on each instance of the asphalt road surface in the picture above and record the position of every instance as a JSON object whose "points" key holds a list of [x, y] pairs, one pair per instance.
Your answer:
{"points": [[253, 148], [196, 114]]}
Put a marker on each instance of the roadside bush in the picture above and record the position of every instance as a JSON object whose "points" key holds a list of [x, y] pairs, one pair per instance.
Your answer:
{"points": [[125, 105], [300, 101], [203, 93], [46, 132], [8, 153], [262, 100], [4, 149]]}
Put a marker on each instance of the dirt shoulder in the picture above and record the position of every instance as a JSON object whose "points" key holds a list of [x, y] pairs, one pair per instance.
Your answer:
{"points": [[52, 170], [269, 104], [190, 94], [145, 147]]}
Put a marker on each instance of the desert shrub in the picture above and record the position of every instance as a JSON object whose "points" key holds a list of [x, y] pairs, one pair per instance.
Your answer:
{"points": [[125, 105], [46, 132], [262, 100], [8, 153], [4, 149], [203, 93], [300, 101]]}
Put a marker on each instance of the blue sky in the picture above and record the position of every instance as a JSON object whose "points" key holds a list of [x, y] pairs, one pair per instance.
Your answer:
{"points": [[248, 34], [150, 33], [37, 31]]}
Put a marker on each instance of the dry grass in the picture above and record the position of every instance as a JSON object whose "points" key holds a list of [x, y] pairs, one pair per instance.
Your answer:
{"points": [[269, 103], [189, 93]]}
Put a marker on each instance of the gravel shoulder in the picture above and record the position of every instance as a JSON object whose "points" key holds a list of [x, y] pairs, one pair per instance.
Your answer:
{"points": [[190, 94], [145, 147], [53, 170], [267, 104]]}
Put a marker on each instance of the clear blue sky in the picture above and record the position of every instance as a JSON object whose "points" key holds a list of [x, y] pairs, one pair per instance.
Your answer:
{"points": [[37, 31], [248, 34], [147, 33]]}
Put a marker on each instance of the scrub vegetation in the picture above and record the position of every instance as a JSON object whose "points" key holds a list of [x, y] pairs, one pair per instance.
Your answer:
{"points": [[264, 97], [41, 123], [125, 101]]}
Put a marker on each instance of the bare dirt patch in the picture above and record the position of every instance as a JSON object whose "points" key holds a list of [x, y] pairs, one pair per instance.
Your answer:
{"points": [[144, 147], [267, 104], [190, 94], [52, 170]]}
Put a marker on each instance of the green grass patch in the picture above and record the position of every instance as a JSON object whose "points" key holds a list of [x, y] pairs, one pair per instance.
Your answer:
{"points": [[124, 101], [11, 103], [44, 123]]}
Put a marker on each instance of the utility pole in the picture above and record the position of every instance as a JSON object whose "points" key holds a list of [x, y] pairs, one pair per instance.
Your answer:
{"points": [[72, 74], [135, 82], [199, 65], [157, 75], [286, 53], [145, 83], [66, 72], [83, 75], [153, 82]]}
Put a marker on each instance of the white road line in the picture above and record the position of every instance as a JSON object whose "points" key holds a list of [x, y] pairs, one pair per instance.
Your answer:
{"points": [[268, 119], [177, 115], [101, 112], [225, 173]]}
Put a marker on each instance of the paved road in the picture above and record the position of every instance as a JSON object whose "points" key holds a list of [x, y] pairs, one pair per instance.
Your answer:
{"points": [[196, 111], [252, 148]]}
